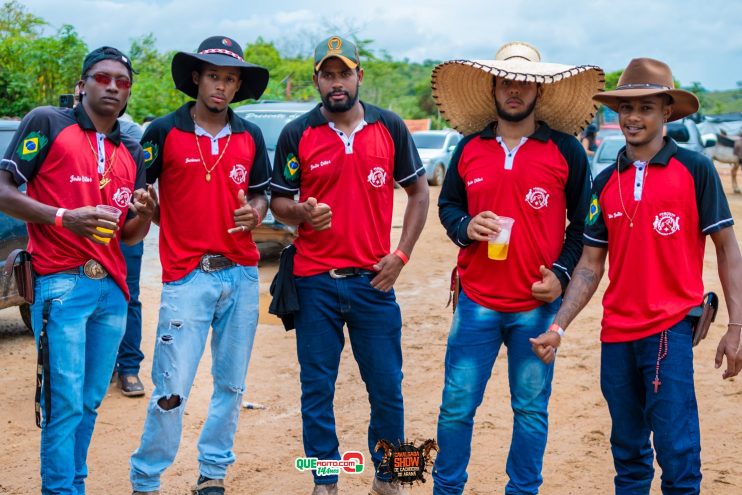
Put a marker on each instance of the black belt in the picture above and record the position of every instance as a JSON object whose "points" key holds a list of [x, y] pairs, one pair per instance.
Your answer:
{"points": [[215, 262], [349, 272], [92, 269]]}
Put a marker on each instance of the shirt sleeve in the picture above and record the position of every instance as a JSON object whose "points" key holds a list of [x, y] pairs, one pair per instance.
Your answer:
{"points": [[30, 145], [286, 167], [713, 207], [153, 143], [577, 192], [407, 164], [453, 206], [260, 172], [596, 232]]}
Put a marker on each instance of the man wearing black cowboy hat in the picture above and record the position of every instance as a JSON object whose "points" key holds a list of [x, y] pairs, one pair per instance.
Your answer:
{"points": [[652, 212], [72, 161], [213, 169]]}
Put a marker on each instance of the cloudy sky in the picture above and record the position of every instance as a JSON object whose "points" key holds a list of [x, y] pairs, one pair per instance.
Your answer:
{"points": [[700, 40]]}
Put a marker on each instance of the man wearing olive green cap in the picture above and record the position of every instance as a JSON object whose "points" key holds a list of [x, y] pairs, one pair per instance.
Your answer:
{"points": [[342, 158]]}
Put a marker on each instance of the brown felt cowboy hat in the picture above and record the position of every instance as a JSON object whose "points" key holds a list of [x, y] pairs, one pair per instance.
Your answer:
{"points": [[222, 52], [463, 89], [649, 77]]}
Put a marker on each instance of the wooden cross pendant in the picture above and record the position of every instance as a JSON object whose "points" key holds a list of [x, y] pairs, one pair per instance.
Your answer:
{"points": [[656, 382]]}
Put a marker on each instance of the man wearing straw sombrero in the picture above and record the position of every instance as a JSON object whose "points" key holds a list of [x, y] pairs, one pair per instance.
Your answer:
{"points": [[652, 212], [213, 170], [520, 164]]}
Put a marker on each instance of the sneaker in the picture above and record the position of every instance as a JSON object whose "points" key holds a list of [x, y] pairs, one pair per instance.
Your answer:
{"points": [[379, 487], [131, 385], [207, 486], [325, 489]]}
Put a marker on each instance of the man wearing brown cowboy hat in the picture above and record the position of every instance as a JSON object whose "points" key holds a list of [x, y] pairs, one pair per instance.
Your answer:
{"points": [[212, 169], [652, 212], [520, 161]]}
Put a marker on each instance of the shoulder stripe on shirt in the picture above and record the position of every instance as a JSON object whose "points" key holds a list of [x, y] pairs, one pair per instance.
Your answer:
{"points": [[566, 272], [412, 174], [726, 220], [279, 186], [253, 186], [594, 240]]}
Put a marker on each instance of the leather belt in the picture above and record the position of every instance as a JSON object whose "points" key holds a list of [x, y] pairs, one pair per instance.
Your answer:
{"points": [[215, 262], [92, 269], [349, 272]]}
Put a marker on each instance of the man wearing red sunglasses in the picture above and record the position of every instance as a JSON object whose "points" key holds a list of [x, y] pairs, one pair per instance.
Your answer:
{"points": [[77, 164]]}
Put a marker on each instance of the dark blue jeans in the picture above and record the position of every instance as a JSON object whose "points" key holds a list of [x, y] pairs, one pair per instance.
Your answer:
{"points": [[130, 353], [627, 373], [375, 331], [477, 333]]}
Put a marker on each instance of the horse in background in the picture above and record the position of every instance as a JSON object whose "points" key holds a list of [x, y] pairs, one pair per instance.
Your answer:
{"points": [[723, 152]]}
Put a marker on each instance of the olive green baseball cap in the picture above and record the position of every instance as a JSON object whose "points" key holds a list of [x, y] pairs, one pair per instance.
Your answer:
{"points": [[335, 46]]}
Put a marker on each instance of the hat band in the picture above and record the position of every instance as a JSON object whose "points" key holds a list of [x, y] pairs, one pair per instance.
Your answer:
{"points": [[642, 86], [221, 51]]}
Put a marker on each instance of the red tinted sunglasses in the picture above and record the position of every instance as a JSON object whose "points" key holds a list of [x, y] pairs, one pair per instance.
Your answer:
{"points": [[105, 80]]}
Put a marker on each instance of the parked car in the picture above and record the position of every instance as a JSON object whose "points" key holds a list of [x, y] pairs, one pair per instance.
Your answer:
{"points": [[436, 149], [685, 132], [606, 130], [272, 117], [13, 235], [605, 155]]}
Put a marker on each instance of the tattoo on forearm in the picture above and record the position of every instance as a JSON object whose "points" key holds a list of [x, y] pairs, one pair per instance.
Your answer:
{"points": [[581, 288]]}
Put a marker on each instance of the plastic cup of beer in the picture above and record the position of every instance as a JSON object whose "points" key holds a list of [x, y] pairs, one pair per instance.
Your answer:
{"points": [[497, 246], [111, 210]]}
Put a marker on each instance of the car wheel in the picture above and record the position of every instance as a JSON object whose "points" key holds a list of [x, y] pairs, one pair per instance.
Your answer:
{"points": [[439, 174], [25, 310]]}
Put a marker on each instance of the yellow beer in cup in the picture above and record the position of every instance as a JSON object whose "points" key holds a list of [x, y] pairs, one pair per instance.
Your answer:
{"points": [[497, 245], [111, 210]]}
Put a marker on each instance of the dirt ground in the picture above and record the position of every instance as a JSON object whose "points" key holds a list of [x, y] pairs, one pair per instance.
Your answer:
{"points": [[578, 459]]}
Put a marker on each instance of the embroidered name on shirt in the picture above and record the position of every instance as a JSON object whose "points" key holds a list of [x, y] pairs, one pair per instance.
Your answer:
{"points": [[79, 178], [611, 216], [323, 163], [191, 160], [476, 180]]}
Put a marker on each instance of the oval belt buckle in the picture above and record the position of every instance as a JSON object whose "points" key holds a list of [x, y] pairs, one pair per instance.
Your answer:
{"points": [[94, 270]]}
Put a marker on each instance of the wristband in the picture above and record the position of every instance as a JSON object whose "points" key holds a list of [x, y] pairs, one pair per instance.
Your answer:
{"points": [[58, 217], [556, 328], [405, 259], [730, 324]]}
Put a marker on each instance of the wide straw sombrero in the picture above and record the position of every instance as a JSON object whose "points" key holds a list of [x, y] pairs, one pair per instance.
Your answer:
{"points": [[649, 77], [462, 89]]}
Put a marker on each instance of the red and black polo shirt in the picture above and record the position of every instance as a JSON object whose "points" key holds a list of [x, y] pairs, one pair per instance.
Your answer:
{"points": [[195, 214], [655, 267], [355, 176], [541, 183], [54, 151]]}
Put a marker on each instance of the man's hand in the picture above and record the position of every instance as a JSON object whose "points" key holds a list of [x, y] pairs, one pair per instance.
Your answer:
{"points": [[246, 217], [85, 220], [317, 215], [144, 203], [729, 347], [387, 269], [545, 346], [482, 226], [549, 288]]}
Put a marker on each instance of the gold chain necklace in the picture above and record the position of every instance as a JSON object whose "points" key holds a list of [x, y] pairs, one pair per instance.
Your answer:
{"points": [[104, 180], [200, 154], [620, 196]]}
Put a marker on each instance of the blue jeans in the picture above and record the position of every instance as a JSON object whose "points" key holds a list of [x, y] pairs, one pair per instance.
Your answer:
{"points": [[227, 301], [85, 325], [130, 353], [375, 331], [627, 373], [473, 343]]}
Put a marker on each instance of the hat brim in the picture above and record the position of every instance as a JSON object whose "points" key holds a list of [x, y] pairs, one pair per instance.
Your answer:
{"points": [[254, 78], [462, 90], [684, 103], [348, 62]]}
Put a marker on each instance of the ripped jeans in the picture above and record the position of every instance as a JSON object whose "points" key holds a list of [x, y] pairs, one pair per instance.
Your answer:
{"points": [[227, 301]]}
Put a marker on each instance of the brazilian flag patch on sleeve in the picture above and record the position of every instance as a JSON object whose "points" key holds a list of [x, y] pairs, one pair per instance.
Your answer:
{"points": [[150, 153], [593, 211], [31, 145], [291, 170]]}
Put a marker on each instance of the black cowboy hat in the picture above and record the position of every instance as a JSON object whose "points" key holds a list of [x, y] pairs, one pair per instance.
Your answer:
{"points": [[222, 52]]}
